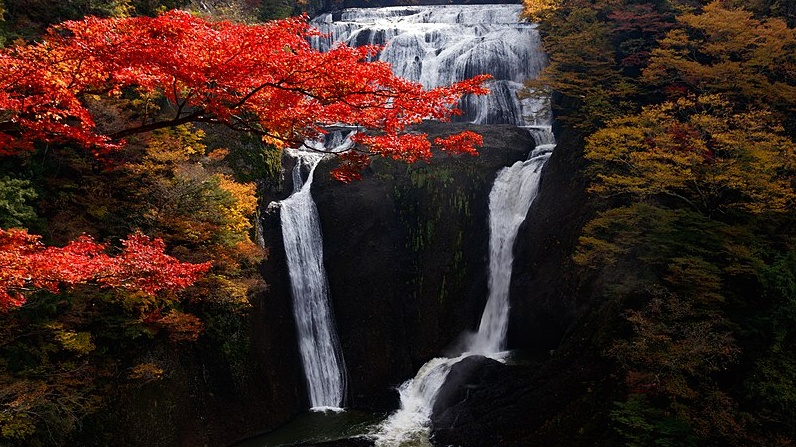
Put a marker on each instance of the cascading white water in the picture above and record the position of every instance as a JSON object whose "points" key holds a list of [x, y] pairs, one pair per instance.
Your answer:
{"points": [[514, 190], [439, 45], [409, 425], [512, 194], [301, 232]]}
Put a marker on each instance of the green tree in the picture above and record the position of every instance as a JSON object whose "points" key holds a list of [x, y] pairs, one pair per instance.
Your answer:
{"points": [[15, 208]]}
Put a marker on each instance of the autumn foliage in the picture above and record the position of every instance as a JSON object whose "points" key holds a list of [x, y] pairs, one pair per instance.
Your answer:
{"points": [[686, 112], [26, 265], [264, 79]]}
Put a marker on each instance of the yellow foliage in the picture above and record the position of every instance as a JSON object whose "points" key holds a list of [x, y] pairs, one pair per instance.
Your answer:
{"points": [[538, 10], [166, 148], [727, 50], [122, 8], [79, 342], [237, 214], [146, 372], [699, 151], [16, 425]]}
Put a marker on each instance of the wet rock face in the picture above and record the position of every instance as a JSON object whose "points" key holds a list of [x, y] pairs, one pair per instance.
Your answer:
{"points": [[466, 377], [405, 251], [545, 293]]}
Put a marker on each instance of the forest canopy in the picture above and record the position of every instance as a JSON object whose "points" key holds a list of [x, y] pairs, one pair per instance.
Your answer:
{"points": [[686, 115]]}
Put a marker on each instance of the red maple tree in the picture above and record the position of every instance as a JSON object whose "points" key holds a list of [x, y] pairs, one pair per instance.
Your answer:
{"points": [[26, 264], [264, 79]]}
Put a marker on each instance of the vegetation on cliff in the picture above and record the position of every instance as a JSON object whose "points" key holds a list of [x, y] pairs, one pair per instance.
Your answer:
{"points": [[687, 111]]}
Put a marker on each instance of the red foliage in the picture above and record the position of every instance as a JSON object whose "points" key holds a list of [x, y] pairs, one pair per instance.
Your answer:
{"points": [[265, 79], [27, 265], [642, 19], [351, 166], [464, 142], [643, 24]]}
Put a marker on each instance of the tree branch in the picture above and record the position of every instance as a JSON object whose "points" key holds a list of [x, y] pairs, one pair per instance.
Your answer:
{"points": [[193, 117]]}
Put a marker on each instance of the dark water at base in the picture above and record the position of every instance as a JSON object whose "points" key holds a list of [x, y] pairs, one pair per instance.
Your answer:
{"points": [[347, 428], [316, 428]]}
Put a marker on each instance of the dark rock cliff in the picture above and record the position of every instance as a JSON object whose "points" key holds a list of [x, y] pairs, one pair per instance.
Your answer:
{"points": [[405, 250], [545, 293]]}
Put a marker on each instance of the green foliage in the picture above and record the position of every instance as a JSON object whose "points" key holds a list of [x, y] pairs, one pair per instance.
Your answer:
{"points": [[15, 197], [643, 425], [275, 9], [154, 7], [773, 377], [28, 19]]}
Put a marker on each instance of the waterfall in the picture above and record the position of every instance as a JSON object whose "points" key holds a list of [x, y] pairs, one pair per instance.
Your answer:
{"points": [[409, 426], [512, 194], [514, 190], [320, 350], [439, 45]]}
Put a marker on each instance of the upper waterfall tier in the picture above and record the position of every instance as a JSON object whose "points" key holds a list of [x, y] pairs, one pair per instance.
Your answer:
{"points": [[439, 45]]}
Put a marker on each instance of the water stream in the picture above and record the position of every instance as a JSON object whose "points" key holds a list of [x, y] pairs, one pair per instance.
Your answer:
{"points": [[321, 355]]}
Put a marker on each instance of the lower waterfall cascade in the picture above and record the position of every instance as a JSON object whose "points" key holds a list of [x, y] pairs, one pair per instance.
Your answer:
{"points": [[514, 190], [321, 355], [512, 194]]}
